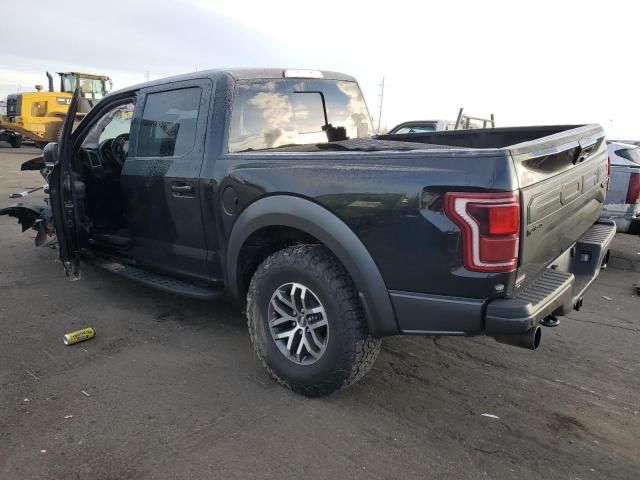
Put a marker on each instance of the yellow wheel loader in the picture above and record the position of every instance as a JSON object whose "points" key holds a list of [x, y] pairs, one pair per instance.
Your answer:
{"points": [[38, 115]]}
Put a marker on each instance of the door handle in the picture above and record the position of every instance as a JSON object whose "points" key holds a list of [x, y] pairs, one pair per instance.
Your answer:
{"points": [[182, 189]]}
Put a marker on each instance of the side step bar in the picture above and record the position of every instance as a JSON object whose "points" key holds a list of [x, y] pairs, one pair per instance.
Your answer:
{"points": [[155, 280]]}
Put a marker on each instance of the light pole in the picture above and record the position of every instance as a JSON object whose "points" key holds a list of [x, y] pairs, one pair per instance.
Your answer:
{"points": [[381, 100]]}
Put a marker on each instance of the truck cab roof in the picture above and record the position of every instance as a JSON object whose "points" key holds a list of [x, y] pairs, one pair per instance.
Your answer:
{"points": [[243, 74]]}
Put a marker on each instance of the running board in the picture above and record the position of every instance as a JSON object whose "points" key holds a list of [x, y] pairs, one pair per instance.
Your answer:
{"points": [[155, 280]]}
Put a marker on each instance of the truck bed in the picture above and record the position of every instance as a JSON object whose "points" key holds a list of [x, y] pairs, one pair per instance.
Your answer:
{"points": [[488, 137]]}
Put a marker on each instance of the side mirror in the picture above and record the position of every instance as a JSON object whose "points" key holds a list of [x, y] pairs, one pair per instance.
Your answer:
{"points": [[50, 154]]}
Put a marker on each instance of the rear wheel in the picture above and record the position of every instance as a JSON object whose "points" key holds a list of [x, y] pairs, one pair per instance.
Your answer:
{"points": [[306, 322]]}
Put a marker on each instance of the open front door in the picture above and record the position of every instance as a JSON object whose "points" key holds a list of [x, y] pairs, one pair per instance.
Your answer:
{"points": [[62, 193]]}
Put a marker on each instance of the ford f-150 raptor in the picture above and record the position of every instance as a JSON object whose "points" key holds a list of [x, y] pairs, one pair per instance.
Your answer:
{"points": [[268, 186]]}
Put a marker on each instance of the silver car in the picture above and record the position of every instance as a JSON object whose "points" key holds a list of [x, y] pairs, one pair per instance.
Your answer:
{"points": [[623, 199]]}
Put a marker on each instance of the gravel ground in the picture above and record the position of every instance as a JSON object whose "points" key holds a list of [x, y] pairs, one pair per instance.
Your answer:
{"points": [[170, 388]]}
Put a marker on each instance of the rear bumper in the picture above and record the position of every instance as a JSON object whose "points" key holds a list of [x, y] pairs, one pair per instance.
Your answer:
{"points": [[556, 291]]}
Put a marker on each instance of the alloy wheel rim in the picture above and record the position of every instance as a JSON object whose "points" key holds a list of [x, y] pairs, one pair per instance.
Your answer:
{"points": [[298, 323]]}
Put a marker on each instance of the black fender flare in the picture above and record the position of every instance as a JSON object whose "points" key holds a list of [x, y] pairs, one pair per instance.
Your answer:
{"points": [[313, 219]]}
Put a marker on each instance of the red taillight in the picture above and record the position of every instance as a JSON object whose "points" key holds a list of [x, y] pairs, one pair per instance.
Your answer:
{"points": [[504, 219], [633, 192], [490, 226]]}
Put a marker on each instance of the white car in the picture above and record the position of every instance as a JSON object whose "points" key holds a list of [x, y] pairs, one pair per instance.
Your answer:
{"points": [[623, 199], [422, 126]]}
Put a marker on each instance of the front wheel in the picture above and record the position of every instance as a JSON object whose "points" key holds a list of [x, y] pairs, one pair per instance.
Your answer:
{"points": [[306, 322]]}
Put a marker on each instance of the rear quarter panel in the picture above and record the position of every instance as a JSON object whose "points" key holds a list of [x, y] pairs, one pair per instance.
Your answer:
{"points": [[391, 201]]}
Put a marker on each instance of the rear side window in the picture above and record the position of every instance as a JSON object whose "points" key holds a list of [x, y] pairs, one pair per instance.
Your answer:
{"points": [[277, 113], [169, 121]]}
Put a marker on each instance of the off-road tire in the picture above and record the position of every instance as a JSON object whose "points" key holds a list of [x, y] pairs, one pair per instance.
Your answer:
{"points": [[351, 350]]}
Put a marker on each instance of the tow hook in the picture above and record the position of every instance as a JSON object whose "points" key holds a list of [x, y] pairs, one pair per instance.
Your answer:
{"points": [[550, 321]]}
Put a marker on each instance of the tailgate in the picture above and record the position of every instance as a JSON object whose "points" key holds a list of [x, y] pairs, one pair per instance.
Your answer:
{"points": [[563, 183]]}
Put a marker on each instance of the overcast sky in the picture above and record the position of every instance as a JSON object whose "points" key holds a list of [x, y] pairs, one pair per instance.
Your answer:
{"points": [[542, 62]]}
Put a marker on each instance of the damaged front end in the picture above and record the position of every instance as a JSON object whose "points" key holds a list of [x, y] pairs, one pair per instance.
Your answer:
{"points": [[38, 218], [35, 217], [59, 215]]}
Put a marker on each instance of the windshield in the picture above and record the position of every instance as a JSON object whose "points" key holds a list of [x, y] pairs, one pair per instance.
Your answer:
{"points": [[69, 83], [115, 122], [270, 114]]}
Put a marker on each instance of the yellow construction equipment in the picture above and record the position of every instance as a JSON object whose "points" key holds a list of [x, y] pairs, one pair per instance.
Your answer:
{"points": [[39, 115]]}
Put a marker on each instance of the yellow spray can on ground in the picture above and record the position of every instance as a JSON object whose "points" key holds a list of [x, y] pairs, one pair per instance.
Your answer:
{"points": [[79, 336]]}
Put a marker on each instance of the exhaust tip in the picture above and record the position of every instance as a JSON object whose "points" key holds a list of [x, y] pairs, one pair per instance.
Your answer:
{"points": [[529, 340], [50, 78]]}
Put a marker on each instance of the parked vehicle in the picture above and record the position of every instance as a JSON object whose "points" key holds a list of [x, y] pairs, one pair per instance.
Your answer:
{"points": [[629, 142], [265, 185], [422, 126], [38, 115], [12, 138], [463, 122], [623, 199]]}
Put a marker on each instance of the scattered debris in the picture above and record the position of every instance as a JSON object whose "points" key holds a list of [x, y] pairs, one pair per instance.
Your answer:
{"points": [[43, 451], [490, 415], [490, 451], [607, 298], [31, 373], [593, 392], [26, 400], [79, 335], [85, 393], [26, 193], [67, 417]]}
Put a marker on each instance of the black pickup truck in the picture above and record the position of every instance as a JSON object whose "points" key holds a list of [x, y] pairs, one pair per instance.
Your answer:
{"points": [[268, 187]]}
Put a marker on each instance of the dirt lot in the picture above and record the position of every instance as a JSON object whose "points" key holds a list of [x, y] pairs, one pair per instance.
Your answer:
{"points": [[170, 387]]}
